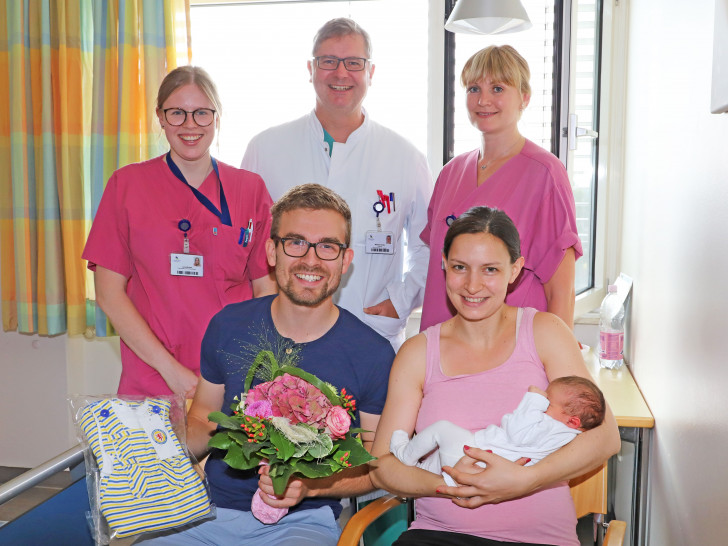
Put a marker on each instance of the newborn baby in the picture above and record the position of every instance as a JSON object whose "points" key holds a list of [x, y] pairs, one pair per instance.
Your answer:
{"points": [[542, 423]]}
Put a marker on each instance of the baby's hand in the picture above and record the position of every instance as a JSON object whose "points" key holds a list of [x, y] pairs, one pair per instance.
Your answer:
{"points": [[535, 389], [468, 465]]}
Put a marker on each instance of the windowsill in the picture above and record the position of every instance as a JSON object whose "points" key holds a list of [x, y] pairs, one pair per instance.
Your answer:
{"points": [[588, 319]]}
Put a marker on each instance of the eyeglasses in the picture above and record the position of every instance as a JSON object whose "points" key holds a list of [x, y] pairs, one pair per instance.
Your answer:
{"points": [[202, 116], [352, 64], [298, 248]]}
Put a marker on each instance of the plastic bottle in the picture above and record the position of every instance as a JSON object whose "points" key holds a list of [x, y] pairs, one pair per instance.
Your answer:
{"points": [[611, 330]]}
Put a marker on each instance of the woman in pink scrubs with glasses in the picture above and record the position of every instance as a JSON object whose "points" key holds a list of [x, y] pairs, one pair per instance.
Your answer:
{"points": [[174, 240], [515, 175]]}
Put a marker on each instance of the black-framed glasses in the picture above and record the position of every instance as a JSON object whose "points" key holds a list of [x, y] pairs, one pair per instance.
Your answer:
{"points": [[202, 116], [352, 64], [298, 248]]}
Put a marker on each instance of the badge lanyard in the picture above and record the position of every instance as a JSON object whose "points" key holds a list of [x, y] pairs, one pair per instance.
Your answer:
{"points": [[224, 213], [378, 208], [380, 242], [184, 226]]}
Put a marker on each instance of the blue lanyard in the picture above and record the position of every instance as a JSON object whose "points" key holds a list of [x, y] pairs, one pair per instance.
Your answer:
{"points": [[224, 213]]}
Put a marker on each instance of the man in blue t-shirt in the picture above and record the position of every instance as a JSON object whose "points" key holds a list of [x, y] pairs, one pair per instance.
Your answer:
{"points": [[308, 248]]}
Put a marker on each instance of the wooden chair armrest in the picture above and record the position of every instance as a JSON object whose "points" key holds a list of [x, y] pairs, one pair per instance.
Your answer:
{"points": [[615, 533], [358, 523], [590, 492]]}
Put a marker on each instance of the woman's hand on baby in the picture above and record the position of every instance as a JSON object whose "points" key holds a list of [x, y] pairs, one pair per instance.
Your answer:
{"points": [[501, 479]]}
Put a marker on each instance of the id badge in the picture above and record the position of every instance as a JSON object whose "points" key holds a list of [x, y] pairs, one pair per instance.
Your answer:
{"points": [[379, 242], [186, 265]]}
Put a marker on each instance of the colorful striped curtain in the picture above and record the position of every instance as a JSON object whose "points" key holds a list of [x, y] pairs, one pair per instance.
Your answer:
{"points": [[78, 81]]}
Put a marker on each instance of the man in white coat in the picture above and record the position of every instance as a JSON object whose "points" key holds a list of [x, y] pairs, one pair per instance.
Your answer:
{"points": [[384, 179]]}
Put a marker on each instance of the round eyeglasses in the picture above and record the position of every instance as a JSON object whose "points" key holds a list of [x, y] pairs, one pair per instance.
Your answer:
{"points": [[202, 116], [352, 64], [298, 248]]}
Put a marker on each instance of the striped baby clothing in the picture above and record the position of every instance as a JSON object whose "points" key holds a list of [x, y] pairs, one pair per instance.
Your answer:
{"points": [[145, 479]]}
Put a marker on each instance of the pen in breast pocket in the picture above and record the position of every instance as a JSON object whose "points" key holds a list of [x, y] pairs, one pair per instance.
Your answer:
{"points": [[391, 200], [249, 233]]}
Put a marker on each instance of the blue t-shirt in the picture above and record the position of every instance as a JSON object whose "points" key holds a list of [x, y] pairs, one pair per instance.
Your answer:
{"points": [[350, 355]]}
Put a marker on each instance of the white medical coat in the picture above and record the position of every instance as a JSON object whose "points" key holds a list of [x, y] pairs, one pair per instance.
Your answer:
{"points": [[373, 158]]}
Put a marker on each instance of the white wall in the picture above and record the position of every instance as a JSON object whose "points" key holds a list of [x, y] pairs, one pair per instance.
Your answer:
{"points": [[674, 246], [36, 376]]}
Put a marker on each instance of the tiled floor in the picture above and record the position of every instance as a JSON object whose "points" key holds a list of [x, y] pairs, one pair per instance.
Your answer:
{"points": [[33, 496]]}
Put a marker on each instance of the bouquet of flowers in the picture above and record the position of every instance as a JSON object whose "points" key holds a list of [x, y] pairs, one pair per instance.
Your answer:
{"points": [[293, 422]]}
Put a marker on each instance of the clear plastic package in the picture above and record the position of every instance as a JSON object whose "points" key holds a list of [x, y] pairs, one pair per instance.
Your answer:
{"points": [[139, 475]]}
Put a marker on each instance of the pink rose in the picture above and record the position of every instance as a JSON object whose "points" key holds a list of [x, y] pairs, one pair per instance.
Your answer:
{"points": [[338, 422], [259, 408], [298, 401]]}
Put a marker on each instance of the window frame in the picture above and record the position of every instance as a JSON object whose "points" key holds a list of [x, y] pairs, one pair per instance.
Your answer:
{"points": [[610, 164]]}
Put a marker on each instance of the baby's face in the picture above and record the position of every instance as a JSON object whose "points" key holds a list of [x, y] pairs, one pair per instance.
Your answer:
{"points": [[558, 397]]}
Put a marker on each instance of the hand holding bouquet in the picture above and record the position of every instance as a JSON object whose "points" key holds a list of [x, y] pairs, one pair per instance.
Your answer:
{"points": [[294, 421]]}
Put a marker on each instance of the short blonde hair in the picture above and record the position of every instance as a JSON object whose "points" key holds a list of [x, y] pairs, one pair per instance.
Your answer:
{"points": [[502, 64]]}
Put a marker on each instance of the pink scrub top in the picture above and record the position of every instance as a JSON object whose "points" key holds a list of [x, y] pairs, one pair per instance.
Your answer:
{"points": [[533, 189], [136, 231]]}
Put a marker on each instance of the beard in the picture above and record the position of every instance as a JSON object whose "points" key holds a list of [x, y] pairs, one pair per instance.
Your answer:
{"points": [[308, 297]]}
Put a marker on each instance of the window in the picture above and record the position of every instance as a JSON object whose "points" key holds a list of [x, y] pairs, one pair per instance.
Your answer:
{"points": [[257, 51], [581, 120], [536, 46], [554, 109]]}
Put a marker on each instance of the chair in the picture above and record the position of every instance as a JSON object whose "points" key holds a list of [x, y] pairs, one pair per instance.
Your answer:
{"points": [[588, 491]]}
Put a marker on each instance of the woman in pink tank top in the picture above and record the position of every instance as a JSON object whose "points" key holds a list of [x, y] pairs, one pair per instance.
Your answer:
{"points": [[471, 370]]}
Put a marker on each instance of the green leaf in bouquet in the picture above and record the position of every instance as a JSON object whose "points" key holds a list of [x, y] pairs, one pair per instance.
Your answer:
{"points": [[336, 465], [266, 359], [224, 420], [221, 440], [315, 469], [280, 474], [271, 453], [307, 456], [286, 448], [252, 449], [323, 447], [236, 458], [239, 437], [357, 454], [301, 451], [354, 431]]}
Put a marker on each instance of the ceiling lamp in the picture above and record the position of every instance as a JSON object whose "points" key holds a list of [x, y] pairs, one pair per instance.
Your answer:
{"points": [[488, 17]]}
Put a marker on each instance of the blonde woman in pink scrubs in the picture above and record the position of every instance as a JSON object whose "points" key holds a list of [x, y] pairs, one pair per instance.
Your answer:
{"points": [[515, 175], [174, 240]]}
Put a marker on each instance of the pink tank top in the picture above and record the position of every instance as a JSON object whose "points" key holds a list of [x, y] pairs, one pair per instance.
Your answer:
{"points": [[474, 402]]}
